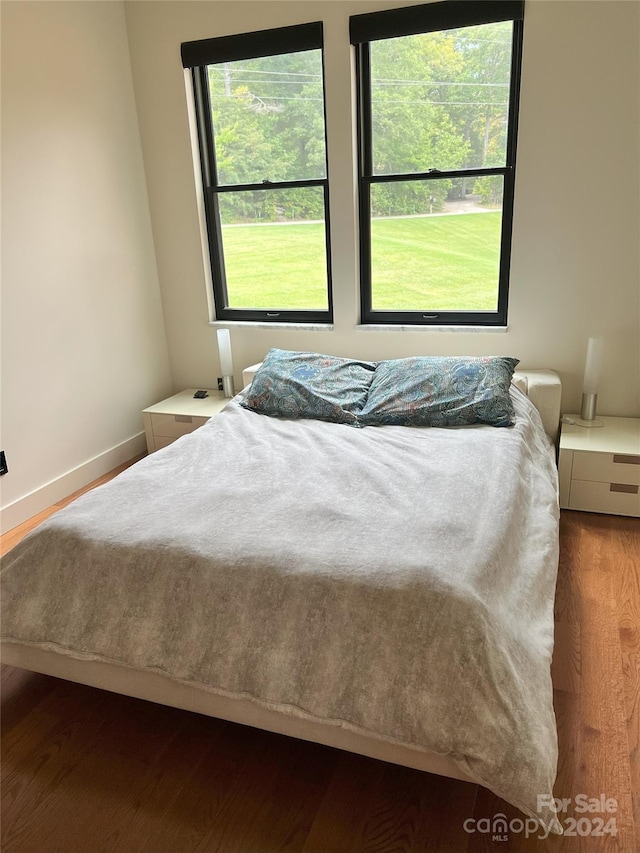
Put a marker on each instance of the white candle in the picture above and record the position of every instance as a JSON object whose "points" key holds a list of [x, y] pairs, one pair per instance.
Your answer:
{"points": [[224, 348], [593, 366]]}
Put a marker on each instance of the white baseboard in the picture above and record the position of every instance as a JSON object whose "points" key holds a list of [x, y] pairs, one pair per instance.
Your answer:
{"points": [[31, 504]]}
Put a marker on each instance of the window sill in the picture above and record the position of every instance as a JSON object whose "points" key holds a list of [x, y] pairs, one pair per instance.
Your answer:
{"points": [[257, 324], [384, 327]]}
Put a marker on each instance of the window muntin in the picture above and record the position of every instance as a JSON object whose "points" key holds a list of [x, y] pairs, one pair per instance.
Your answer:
{"points": [[426, 151], [261, 127]]}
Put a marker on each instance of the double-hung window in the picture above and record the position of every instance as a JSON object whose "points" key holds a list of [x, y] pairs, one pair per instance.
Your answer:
{"points": [[259, 100], [438, 92]]}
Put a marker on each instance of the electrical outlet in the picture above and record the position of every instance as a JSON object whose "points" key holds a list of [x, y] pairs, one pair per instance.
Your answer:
{"points": [[3, 463], [220, 385]]}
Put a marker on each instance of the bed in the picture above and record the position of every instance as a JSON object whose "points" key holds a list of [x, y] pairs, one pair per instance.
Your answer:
{"points": [[385, 590]]}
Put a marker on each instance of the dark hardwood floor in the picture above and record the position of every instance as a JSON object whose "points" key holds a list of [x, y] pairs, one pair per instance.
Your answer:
{"points": [[84, 771]]}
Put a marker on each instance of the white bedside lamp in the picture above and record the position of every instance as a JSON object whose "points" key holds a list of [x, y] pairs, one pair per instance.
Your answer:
{"points": [[226, 362], [591, 382]]}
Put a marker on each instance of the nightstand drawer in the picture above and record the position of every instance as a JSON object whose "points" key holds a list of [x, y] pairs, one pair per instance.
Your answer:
{"points": [[173, 426], [615, 498], [606, 467]]}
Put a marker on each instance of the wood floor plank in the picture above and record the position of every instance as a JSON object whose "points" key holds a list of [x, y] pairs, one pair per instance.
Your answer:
{"points": [[305, 771], [567, 709], [604, 748], [198, 809], [566, 656], [43, 720], [340, 819], [415, 811], [242, 820], [32, 787], [134, 772], [147, 798], [20, 692], [625, 548]]}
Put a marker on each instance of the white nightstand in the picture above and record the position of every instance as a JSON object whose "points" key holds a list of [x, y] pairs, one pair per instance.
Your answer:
{"points": [[600, 468], [178, 415]]}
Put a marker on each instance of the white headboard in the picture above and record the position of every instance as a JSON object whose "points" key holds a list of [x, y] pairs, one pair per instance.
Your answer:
{"points": [[248, 373], [542, 387]]}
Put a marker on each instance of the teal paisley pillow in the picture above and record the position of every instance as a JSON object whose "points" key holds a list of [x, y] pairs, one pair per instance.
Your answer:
{"points": [[441, 391], [310, 385]]}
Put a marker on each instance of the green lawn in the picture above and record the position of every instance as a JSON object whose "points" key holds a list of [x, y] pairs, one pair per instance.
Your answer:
{"points": [[275, 266], [419, 263]]}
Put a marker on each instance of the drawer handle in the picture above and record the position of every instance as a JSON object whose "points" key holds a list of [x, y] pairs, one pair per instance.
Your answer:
{"points": [[626, 460], [623, 487], [183, 419]]}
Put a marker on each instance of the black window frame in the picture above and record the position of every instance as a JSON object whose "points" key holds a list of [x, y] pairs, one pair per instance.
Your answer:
{"points": [[433, 17], [196, 56]]}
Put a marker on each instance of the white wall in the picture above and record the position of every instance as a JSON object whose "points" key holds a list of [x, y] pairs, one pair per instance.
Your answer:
{"points": [[575, 265], [83, 341]]}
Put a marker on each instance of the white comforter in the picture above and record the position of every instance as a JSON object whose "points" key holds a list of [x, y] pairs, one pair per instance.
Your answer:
{"points": [[398, 580]]}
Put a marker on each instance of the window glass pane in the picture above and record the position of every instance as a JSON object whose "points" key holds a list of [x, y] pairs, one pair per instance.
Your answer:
{"points": [[435, 245], [268, 118], [440, 100], [274, 249]]}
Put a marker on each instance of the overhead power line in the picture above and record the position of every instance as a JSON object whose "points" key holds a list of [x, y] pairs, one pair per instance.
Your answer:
{"points": [[417, 103], [382, 81], [223, 70]]}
